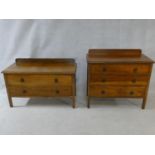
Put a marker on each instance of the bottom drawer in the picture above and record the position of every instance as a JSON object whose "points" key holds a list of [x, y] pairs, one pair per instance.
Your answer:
{"points": [[42, 92], [113, 91]]}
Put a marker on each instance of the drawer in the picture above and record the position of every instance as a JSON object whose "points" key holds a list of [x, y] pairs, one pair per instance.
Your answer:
{"points": [[38, 80], [119, 80], [65, 91], [120, 69], [113, 91], [40, 91]]}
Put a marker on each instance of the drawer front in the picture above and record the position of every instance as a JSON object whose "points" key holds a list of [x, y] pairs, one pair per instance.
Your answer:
{"points": [[120, 69], [38, 80], [65, 91], [113, 91], [40, 91], [119, 80]]}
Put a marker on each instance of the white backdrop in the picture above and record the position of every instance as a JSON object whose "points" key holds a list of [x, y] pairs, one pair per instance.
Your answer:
{"points": [[72, 38]]}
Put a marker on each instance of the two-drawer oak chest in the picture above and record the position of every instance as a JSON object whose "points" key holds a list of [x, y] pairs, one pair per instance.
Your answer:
{"points": [[118, 73], [41, 78]]}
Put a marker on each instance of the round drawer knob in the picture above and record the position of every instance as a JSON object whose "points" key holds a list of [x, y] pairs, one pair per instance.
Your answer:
{"points": [[135, 70], [102, 92], [104, 69], [103, 80], [131, 93], [22, 80], [56, 80], [24, 91], [57, 91], [134, 81]]}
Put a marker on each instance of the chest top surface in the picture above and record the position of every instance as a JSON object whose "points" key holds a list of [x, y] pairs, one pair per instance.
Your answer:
{"points": [[117, 56], [42, 66]]}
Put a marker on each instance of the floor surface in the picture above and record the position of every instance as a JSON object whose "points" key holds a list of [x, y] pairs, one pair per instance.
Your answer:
{"points": [[51, 116]]}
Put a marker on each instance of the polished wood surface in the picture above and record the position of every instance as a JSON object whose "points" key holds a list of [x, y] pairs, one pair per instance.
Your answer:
{"points": [[38, 91], [41, 78], [115, 53], [117, 56], [119, 80], [120, 68], [41, 66], [118, 73], [99, 90]]}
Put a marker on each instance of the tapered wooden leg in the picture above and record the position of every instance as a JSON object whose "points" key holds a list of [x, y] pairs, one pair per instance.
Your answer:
{"points": [[73, 103], [144, 103], [10, 101], [74, 91], [88, 102]]}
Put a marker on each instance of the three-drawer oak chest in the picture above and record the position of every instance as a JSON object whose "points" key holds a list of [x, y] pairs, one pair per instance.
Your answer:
{"points": [[41, 78], [118, 73]]}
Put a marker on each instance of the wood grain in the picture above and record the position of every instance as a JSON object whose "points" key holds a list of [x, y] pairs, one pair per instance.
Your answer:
{"points": [[25, 91], [117, 56], [115, 53], [41, 78], [113, 91], [118, 73], [35, 80], [119, 80], [120, 68]]}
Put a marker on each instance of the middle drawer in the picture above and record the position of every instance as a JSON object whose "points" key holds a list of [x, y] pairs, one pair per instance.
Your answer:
{"points": [[119, 80]]}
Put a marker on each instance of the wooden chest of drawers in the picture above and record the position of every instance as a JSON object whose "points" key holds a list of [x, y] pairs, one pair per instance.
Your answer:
{"points": [[41, 78], [118, 73]]}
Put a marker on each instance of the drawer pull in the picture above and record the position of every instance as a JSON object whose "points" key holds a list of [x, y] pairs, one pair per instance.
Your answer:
{"points": [[57, 91], [104, 69], [103, 80], [131, 93], [56, 80], [24, 91], [22, 80], [134, 81], [102, 92], [135, 70]]}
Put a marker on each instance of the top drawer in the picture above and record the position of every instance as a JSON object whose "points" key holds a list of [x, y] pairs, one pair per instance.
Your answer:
{"points": [[38, 80], [120, 68]]}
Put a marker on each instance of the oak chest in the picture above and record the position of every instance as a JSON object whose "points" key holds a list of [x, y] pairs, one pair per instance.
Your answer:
{"points": [[41, 78], [118, 73]]}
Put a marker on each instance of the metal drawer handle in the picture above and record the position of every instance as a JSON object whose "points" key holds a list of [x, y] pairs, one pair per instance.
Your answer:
{"points": [[22, 80], [131, 93], [57, 91], [24, 91], [56, 80]]}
